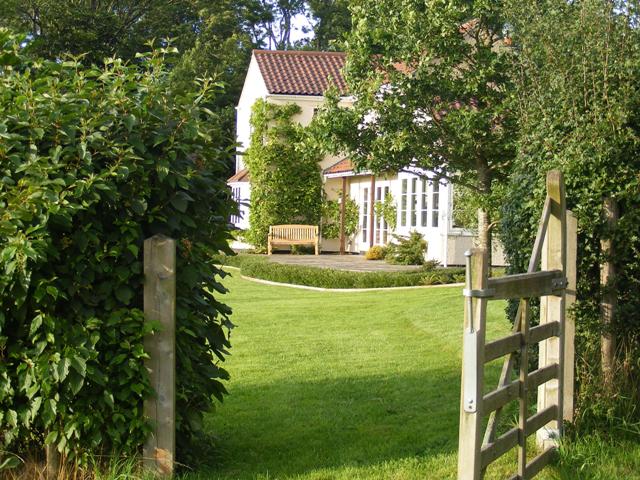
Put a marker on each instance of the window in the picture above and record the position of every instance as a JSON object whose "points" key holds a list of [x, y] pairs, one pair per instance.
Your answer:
{"points": [[424, 206], [403, 204], [365, 214], [235, 194], [414, 201], [436, 203]]}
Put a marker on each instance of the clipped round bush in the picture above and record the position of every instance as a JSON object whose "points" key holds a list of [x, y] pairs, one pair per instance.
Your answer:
{"points": [[407, 250], [93, 160], [376, 252]]}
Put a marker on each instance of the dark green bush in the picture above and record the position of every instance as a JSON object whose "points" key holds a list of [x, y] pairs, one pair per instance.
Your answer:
{"points": [[256, 266], [407, 250], [93, 161]]}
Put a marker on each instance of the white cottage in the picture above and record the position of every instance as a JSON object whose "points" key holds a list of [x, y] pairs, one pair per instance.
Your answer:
{"points": [[423, 205]]}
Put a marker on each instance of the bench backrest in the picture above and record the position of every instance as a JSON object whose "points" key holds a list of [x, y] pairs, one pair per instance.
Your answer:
{"points": [[293, 232]]}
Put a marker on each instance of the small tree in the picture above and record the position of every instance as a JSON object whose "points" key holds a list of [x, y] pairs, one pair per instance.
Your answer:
{"points": [[286, 185], [431, 88]]}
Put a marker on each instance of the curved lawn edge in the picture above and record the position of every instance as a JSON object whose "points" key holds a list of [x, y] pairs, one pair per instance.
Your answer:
{"points": [[346, 290]]}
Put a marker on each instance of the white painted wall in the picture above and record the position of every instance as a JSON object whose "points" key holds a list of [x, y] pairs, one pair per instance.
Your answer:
{"points": [[254, 88]]}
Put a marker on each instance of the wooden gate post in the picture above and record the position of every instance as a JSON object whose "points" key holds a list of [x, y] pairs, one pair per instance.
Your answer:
{"points": [[160, 306], [475, 310], [552, 309], [569, 321]]}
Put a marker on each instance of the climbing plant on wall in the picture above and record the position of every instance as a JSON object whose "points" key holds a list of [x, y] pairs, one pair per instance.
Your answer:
{"points": [[331, 218], [286, 186]]}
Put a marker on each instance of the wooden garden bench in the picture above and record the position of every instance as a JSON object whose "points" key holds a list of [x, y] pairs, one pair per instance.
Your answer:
{"points": [[293, 235]]}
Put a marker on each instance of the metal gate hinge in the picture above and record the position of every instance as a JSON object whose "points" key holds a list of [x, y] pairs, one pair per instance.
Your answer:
{"points": [[487, 292]]}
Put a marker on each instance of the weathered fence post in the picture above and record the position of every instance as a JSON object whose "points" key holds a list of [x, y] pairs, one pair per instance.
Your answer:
{"points": [[475, 310], [569, 325], [552, 309], [160, 306]]}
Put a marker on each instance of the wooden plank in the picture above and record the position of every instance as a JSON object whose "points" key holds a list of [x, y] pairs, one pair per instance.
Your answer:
{"points": [[160, 306], [343, 214], [502, 346], [552, 309], [525, 285], [500, 397], [470, 432], [523, 401], [569, 322], [507, 366], [500, 446], [543, 332], [542, 375], [540, 419], [537, 464], [540, 236]]}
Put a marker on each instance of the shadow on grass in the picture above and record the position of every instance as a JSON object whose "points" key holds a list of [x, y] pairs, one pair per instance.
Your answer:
{"points": [[289, 428]]}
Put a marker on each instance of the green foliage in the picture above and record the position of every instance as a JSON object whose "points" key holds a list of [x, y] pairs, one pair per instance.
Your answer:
{"points": [[387, 210], [331, 218], [92, 162], [331, 21], [377, 252], [407, 250], [465, 208], [432, 90], [578, 99], [258, 266], [286, 185]]}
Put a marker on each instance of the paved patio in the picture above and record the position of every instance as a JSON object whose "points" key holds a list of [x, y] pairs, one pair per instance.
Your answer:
{"points": [[354, 263]]}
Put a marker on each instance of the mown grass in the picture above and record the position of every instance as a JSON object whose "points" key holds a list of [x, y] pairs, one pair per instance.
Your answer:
{"points": [[360, 386]]}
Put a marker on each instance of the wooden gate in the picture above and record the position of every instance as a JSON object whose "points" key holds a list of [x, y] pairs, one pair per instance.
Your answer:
{"points": [[555, 247]]}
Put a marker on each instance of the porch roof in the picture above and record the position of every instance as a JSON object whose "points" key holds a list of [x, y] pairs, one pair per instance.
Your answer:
{"points": [[241, 176]]}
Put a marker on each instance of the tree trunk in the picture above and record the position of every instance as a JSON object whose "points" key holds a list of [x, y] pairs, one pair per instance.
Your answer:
{"points": [[609, 298], [484, 220]]}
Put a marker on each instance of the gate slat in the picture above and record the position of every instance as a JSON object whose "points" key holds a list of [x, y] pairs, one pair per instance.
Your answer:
{"points": [[526, 285], [541, 461], [502, 346], [542, 332], [504, 443], [542, 375], [540, 419], [500, 397]]}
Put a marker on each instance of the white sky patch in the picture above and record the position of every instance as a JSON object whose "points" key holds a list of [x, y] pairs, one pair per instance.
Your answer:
{"points": [[300, 23]]}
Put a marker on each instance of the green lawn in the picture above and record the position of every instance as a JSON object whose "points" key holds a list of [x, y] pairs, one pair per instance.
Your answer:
{"points": [[347, 386]]}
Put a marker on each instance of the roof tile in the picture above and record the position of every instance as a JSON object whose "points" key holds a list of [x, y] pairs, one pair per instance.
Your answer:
{"points": [[301, 72]]}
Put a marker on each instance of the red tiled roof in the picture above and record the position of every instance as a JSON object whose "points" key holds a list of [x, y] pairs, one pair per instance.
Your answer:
{"points": [[241, 176], [301, 72], [343, 166]]}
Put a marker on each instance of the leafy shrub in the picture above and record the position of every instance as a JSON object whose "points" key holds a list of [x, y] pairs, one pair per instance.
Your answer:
{"points": [[258, 266], [376, 252], [431, 264], [331, 218], [408, 250], [93, 161]]}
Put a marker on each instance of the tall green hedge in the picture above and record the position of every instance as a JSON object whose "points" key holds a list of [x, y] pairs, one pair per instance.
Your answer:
{"points": [[578, 102], [93, 161], [286, 184]]}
